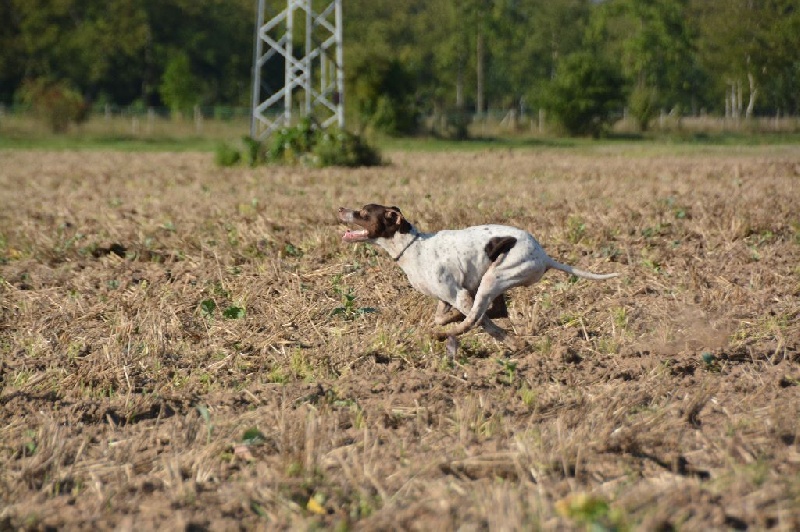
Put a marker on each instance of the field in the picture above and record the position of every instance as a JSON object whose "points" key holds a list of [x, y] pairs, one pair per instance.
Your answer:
{"points": [[188, 347]]}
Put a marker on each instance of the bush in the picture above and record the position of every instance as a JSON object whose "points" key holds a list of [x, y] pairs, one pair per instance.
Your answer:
{"points": [[384, 92], [642, 103], [57, 103], [253, 151], [585, 93], [306, 143], [227, 155], [292, 144], [337, 147], [458, 124], [178, 87]]}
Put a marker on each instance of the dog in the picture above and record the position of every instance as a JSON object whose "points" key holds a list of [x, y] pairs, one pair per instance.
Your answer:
{"points": [[467, 270]]}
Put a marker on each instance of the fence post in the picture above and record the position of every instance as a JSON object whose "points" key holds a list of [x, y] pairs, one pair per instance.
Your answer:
{"points": [[198, 120], [151, 118]]}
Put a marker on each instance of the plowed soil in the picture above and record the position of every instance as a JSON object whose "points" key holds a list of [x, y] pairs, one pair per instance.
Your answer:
{"points": [[188, 347]]}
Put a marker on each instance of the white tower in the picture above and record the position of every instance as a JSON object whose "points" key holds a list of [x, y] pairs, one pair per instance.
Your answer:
{"points": [[312, 84]]}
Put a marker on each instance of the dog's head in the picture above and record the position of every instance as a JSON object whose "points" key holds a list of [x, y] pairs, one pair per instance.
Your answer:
{"points": [[375, 221]]}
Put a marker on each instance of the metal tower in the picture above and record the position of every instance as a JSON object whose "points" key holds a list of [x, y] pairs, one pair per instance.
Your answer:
{"points": [[312, 84]]}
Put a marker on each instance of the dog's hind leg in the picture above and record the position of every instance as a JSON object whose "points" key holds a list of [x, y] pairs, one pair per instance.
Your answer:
{"points": [[465, 304], [446, 314], [487, 291]]}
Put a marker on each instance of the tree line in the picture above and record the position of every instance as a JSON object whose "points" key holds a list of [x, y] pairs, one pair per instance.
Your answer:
{"points": [[584, 60]]}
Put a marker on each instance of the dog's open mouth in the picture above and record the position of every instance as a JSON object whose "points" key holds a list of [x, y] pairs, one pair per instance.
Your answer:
{"points": [[357, 235]]}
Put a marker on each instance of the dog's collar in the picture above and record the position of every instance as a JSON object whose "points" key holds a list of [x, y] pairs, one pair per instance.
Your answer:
{"points": [[416, 236]]}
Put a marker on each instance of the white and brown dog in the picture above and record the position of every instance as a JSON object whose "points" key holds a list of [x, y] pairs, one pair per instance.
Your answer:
{"points": [[467, 270]]}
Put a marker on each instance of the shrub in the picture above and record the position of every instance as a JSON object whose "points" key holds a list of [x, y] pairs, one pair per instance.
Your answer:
{"points": [[585, 93], [292, 144], [337, 147], [642, 104], [306, 143], [58, 103], [253, 151], [384, 93], [178, 87], [227, 155], [458, 124]]}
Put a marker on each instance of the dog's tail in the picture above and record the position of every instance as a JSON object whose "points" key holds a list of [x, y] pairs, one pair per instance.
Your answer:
{"points": [[578, 272]]}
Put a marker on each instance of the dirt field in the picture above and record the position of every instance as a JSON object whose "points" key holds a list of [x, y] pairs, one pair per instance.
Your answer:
{"points": [[183, 346]]}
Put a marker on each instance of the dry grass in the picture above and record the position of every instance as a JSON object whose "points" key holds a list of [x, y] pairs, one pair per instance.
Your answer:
{"points": [[144, 126], [666, 398]]}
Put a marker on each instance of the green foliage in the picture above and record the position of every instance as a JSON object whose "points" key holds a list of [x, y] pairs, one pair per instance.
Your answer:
{"points": [[349, 310], [226, 155], [642, 104], [576, 229], [233, 313], [119, 51], [509, 368], [751, 46], [178, 87], [58, 103], [384, 94], [291, 145], [592, 511], [652, 43], [338, 147], [305, 143], [404, 59], [253, 436], [207, 307], [206, 415], [252, 154], [585, 94]]}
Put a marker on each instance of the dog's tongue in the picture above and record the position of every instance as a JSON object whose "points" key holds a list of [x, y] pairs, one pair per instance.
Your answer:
{"points": [[350, 236]]}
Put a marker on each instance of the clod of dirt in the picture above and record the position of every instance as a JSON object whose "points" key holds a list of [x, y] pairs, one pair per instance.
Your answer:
{"points": [[568, 355]]}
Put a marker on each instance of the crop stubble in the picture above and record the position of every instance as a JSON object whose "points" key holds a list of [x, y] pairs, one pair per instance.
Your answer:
{"points": [[667, 397]]}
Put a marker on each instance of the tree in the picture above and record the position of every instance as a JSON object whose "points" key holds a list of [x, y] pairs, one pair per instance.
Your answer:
{"points": [[57, 103], [11, 53], [179, 87], [752, 49], [654, 45], [585, 93], [384, 95]]}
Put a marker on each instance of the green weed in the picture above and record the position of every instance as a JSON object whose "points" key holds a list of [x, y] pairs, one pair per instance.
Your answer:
{"points": [[349, 310]]}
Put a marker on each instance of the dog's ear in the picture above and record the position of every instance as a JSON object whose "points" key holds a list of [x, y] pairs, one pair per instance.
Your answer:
{"points": [[394, 216]]}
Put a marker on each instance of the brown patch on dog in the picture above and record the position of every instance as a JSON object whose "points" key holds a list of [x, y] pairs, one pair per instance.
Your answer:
{"points": [[499, 245]]}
